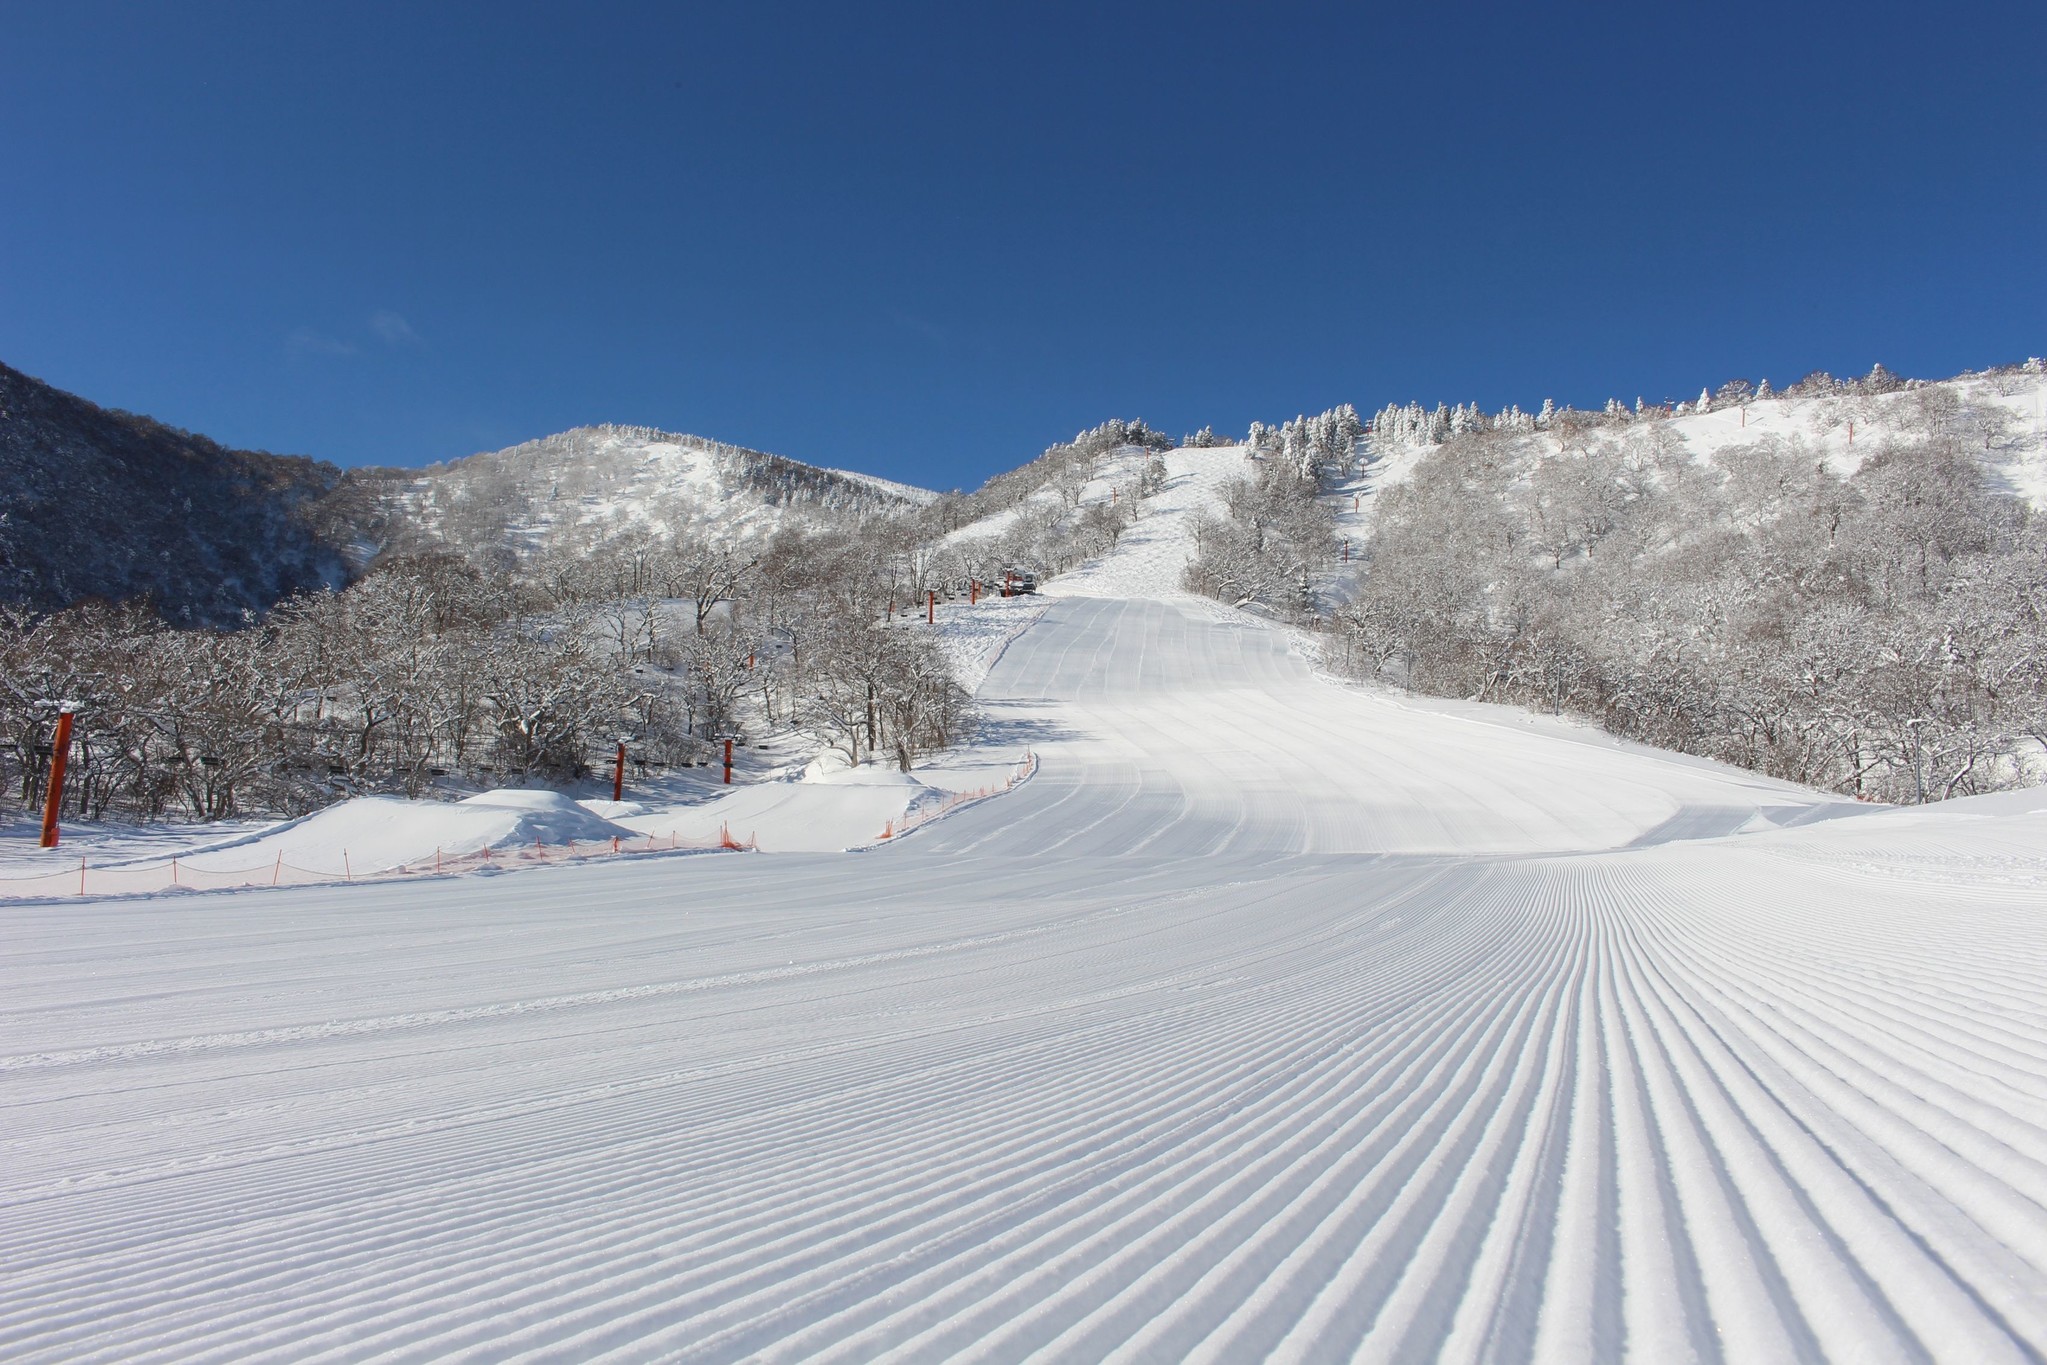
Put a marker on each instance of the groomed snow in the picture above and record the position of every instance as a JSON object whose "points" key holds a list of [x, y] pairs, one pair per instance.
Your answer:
{"points": [[1270, 1019]]}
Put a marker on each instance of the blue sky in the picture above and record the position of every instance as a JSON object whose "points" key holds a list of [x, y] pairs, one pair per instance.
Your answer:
{"points": [[925, 241]]}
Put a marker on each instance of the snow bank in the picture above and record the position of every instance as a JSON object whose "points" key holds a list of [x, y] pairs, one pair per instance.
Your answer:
{"points": [[829, 809], [378, 833], [612, 810]]}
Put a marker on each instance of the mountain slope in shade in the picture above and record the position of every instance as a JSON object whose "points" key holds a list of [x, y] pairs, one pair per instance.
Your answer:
{"points": [[100, 503]]}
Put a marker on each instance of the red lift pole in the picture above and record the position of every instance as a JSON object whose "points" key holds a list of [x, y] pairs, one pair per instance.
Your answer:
{"points": [[728, 762], [53, 799], [931, 608], [618, 775]]}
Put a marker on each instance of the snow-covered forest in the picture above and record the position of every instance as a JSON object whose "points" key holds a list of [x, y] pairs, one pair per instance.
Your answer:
{"points": [[1737, 576], [1741, 576], [1276, 532], [506, 638], [1867, 615]]}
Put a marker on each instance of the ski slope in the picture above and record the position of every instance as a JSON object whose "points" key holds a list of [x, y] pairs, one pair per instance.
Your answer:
{"points": [[1271, 1019]]}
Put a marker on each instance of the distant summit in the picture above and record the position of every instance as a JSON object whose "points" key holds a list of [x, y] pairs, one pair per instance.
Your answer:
{"points": [[593, 482]]}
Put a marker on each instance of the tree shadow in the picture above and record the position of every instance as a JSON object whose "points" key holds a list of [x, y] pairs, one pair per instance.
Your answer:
{"points": [[1021, 731]]}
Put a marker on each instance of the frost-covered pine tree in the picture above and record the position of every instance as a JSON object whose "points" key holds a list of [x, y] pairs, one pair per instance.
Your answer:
{"points": [[1295, 451]]}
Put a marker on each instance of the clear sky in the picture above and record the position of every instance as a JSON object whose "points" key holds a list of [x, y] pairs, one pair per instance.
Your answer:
{"points": [[926, 241]]}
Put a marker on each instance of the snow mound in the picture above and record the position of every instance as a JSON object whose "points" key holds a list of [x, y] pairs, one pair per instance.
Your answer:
{"points": [[829, 809], [831, 769], [612, 810], [547, 816], [379, 833]]}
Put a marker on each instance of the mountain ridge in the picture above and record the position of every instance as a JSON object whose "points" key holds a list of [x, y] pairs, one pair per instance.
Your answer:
{"points": [[592, 481], [98, 503]]}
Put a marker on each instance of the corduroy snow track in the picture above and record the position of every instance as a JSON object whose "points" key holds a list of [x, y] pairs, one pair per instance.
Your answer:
{"points": [[1270, 1019]]}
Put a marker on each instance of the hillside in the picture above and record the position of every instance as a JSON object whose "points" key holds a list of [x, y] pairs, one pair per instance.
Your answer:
{"points": [[100, 503], [1999, 416], [1841, 586], [594, 482]]}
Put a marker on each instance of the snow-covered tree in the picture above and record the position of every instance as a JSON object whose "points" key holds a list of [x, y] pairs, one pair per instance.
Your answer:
{"points": [[1881, 633]]}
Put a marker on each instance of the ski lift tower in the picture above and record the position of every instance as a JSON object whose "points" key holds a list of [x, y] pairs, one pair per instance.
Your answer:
{"points": [[728, 736]]}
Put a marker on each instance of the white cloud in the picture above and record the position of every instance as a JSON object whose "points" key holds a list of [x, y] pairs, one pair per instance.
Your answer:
{"points": [[306, 341], [393, 329], [925, 328]]}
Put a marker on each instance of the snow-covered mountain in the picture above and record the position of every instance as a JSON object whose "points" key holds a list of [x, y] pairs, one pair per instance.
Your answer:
{"points": [[100, 503], [594, 482]]}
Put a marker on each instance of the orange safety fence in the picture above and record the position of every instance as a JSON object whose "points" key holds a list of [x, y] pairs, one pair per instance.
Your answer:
{"points": [[130, 879], [924, 814]]}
